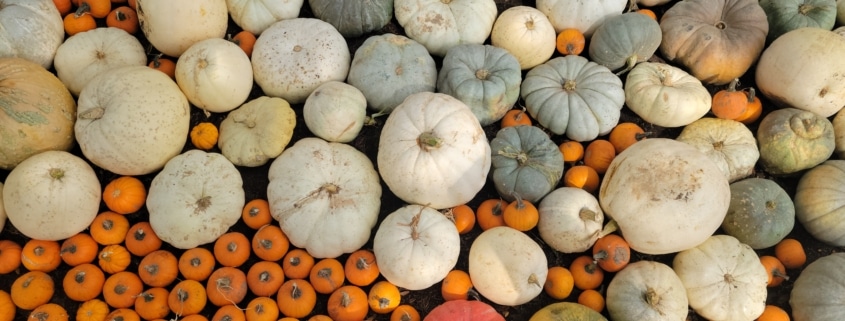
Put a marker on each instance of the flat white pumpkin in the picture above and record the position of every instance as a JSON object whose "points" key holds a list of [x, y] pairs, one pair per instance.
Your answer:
{"points": [[571, 219], [30, 29], [173, 26], [85, 55], [647, 290], [585, 16], [665, 95], [728, 143], [256, 15], [326, 196], [257, 131], [215, 75], [506, 266], [439, 24]]}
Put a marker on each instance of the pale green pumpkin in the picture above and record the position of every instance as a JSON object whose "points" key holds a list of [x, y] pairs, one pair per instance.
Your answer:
{"points": [[624, 40], [761, 213], [788, 15], [526, 162], [792, 140], [353, 18], [816, 294], [820, 202]]}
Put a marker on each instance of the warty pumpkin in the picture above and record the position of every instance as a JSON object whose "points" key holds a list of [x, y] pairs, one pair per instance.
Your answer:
{"points": [[792, 140]]}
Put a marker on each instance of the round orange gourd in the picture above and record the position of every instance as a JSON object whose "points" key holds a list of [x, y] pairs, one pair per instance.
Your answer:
{"points": [[245, 40], [598, 155], [10, 256], [405, 312], [383, 297], [229, 312], [204, 135], [521, 215], [585, 273], [74, 23], [515, 117], [791, 253], [158, 268], [327, 275], [611, 252], [262, 308], [49, 312], [490, 213], [581, 176], [361, 268], [775, 270], [297, 264], [63, 6], [125, 314], [296, 298], [264, 278], [114, 258], [141, 239], [729, 103], [226, 285], [773, 313], [152, 303], [559, 283], [456, 285], [348, 303], [270, 243], [592, 299], [97, 8], [623, 135], [163, 64], [125, 195], [41, 255], [232, 249], [78, 249], [109, 228], [121, 289], [123, 18], [572, 151], [570, 41], [256, 213], [83, 282], [7, 307], [92, 310], [463, 216], [753, 110], [648, 12], [187, 297], [196, 264], [32, 289]]}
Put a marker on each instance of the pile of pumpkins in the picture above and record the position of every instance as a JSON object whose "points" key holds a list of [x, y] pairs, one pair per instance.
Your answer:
{"points": [[457, 70]]}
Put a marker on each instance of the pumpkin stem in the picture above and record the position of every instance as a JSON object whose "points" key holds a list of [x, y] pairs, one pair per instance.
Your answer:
{"points": [[93, 113], [609, 228], [83, 9], [428, 141], [732, 85], [629, 64], [119, 15], [569, 85], [482, 74], [751, 94], [202, 204], [532, 279], [79, 277], [652, 298], [345, 299], [721, 25], [805, 8], [57, 173], [295, 292]]}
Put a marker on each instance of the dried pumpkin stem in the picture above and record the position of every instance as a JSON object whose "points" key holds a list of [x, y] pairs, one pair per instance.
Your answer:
{"points": [[428, 141]]}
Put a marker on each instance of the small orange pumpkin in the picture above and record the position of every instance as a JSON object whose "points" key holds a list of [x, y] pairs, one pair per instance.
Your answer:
{"points": [[121, 289], [63, 6], [791, 253], [264, 278], [623, 135], [570, 41], [559, 283], [586, 274], [79, 249], [92, 310], [245, 40], [124, 314], [296, 298], [32, 289], [109, 228], [297, 264], [270, 243], [204, 135], [598, 155], [775, 270], [256, 213], [10, 256], [125, 195], [75, 24], [7, 307], [405, 312], [141, 240], [229, 312], [583, 177], [49, 312], [611, 252], [384, 297], [187, 297], [456, 285], [490, 213], [516, 117], [463, 216], [226, 285], [361, 268], [123, 18], [159, 268], [262, 308], [97, 8], [572, 151], [196, 264], [152, 303], [114, 258], [729, 103], [41, 255], [348, 303], [83, 282], [163, 64], [592, 299], [232, 249], [327, 275], [521, 215]]}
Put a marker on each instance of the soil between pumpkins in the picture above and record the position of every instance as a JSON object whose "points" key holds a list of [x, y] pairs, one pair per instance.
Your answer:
{"points": [[256, 181]]}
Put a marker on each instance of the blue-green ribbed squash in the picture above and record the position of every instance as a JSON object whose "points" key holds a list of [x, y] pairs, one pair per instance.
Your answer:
{"points": [[525, 162]]}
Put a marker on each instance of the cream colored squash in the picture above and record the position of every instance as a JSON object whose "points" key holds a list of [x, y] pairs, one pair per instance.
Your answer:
{"points": [[256, 15], [2, 210], [647, 290], [442, 24], [173, 26], [526, 33], [728, 143], [570, 219], [840, 12], [195, 198], [838, 123], [52, 195], [257, 131], [335, 111], [666, 95], [85, 55], [506, 266], [131, 120], [585, 16], [215, 75], [30, 29]]}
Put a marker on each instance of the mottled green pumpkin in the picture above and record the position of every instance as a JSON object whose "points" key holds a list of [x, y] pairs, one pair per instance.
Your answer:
{"points": [[788, 15], [792, 140], [568, 311], [760, 214], [526, 162], [820, 202], [624, 40], [353, 18]]}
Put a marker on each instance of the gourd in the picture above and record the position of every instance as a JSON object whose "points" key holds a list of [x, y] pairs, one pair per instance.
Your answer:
{"points": [[464, 310], [195, 199], [440, 25], [215, 75], [503, 253], [293, 57], [526, 33], [353, 18], [526, 163], [647, 290], [87, 54], [666, 95], [432, 151], [484, 77], [725, 38], [570, 220], [724, 279], [822, 276], [792, 140], [416, 247], [814, 83], [118, 107], [335, 111], [326, 196], [665, 195], [172, 27], [585, 16], [819, 205], [761, 213], [388, 68], [625, 40], [257, 131], [729, 143], [788, 15], [574, 96], [566, 311], [256, 15], [31, 30], [26, 128]]}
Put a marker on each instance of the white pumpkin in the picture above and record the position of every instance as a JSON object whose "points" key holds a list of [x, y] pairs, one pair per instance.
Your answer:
{"points": [[728, 143], [173, 26], [257, 131], [432, 151], [256, 15], [665, 195], [507, 266], [571, 219], [326, 196], [585, 16], [335, 111], [666, 95], [2, 210], [439, 25], [30, 29], [52, 195], [724, 279], [215, 75], [85, 55], [526, 33], [416, 246], [195, 199], [131, 120], [838, 123], [295, 56], [647, 290]]}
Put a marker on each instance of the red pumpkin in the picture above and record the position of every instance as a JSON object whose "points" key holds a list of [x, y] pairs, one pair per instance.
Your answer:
{"points": [[464, 310]]}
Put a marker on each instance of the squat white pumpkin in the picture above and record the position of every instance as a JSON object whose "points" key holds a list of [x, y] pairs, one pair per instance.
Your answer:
{"points": [[215, 75]]}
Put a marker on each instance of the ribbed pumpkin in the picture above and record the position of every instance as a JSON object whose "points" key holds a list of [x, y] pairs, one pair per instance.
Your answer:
{"points": [[625, 40], [788, 15], [760, 214], [353, 18], [666, 95], [729, 143], [647, 290], [526, 163], [820, 202], [809, 299]]}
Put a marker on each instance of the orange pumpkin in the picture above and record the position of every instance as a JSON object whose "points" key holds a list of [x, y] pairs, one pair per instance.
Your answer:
{"points": [[348, 303], [456, 285], [256, 213], [516, 117], [123, 18], [163, 64], [124, 314], [196, 264], [79, 249], [463, 216], [152, 303], [583, 177], [572, 151], [521, 215], [49, 312], [204, 135], [7, 307], [121, 289], [405, 312], [109, 228], [74, 23], [297, 264], [41, 255], [232, 249], [92, 310], [262, 308], [490, 213], [97, 8], [611, 252], [187, 297], [585, 273], [361, 268], [125, 195], [384, 297], [245, 40], [83, 282], [264, 278], [10, 256], [598, 155], [791, 253], [229, 312], [775, 270], [114, 258], [141, 239], [559, 283], [63, 6], [226, 285], [32, 289], [296, 298], [269, 243], [159, 268], [327, 275], [592, 299], [623, 135], [729, 103], [570, 41]]}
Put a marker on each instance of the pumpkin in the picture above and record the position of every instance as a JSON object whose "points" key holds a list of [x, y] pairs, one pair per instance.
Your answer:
{"points": [[195, 198], [2, 211], [506, 253], [816, 82], [119, 108], [31, 30], [173, 27], [257, 15], [566, 311], [724, 279], [257, 131], [52, 195], [665, 95], [574, 96], [647, 290], [420, 244], [353, 18], [716, 40], [792, 140], [316, 187], [10, 253], [85, 55], [335, 111], [819, 203], [679, 196], [625, 40], [484, 77], [83, 282], [75, 24], [570, 220], [583, 16], [526, 33], [463, 310], [526, 163], [26, 127], [296, 298], [159, 268], [729, 143], [123, 18], [388, 68], [838, 123], [761, 213], [49, 312], [215, 75], [7, 307], [31, 289], [788, 15], [821, 276], [433, 151], [440, 25], [292, 57]]}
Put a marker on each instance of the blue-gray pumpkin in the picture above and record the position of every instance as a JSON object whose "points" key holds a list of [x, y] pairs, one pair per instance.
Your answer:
{"points": [[526, 162], [760, 214], [353, 18]]}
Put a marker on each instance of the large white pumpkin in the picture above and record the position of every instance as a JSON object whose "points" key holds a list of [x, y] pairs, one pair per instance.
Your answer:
{"points": [[439, 25], [30, 29], [526, 33], [173, 26], [433, 151], [585, 16], [52, 195], [85, 55], [256, 15], [507, 266], [215, 75]]}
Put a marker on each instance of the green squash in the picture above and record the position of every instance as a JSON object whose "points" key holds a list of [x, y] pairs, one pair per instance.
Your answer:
{"points": [[792, 140], [817, 293], [353, 18], [625, 40], [484, 77], [788, 15], [526, 162], [568, 311], [761, 213], [820, 202]]}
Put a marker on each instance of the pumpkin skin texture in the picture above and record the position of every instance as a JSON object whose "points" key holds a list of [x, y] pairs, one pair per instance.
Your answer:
{"points": [[353, 18], [647, 290], [526, 33], [526, 162], [680, 196], [787, 15], [326, 196], [567, 311], [506, 266], [440, 25], [2, 210], [215, 75], [172, 27], [729, 143], [27, 126], [257, 131], [838, 123], [335, 111], [484, 77], [761, 213], [585, 16], [574, 96], [666, 95], [31, 30], [464, 310], [819, 204], [85, 55], [716, 40], [257, 15], [792, 140], [570, 219], [821, 276], [624, 40]]}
